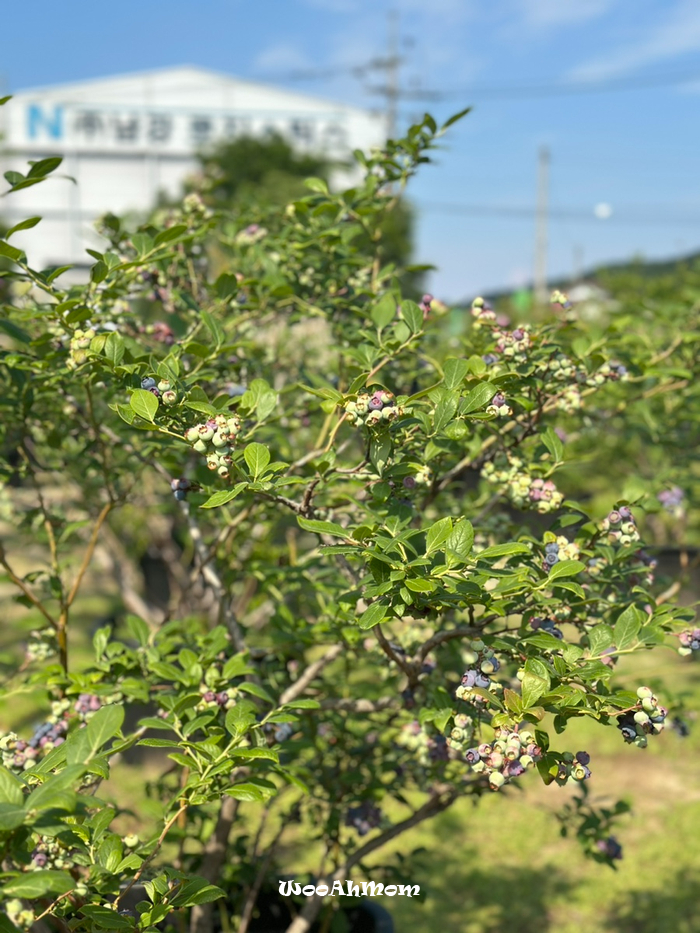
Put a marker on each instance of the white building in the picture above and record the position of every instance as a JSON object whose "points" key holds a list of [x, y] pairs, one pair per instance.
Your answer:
{"points": [[125, 139]]}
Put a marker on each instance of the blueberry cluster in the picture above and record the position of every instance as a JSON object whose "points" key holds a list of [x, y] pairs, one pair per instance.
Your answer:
{"points": [[421, 477], [159, 330], [428, 749], [646, 718], [556, 548], [79, 344], [482, 312], [570, 400], [216, 438], [620, 526], [613, 371], [41, 645], [211, 699], [514, 344], [484, 663], [549, 626], [462, 733], [689, 642], [508, 756], [179, 488], [573, 767], [499, 406], [162, 390], [86, 705], [524, 491], [375, 408], [425, 305], [253, 233], [49, 853], [364, 817], [18, 755], [609, 847], [672, 500], [21, 916]]}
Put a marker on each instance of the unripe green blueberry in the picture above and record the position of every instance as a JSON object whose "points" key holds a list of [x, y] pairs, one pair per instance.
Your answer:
{"points": [[641, 741], [641, 717], [169, 398], [223, 471], [496, 780], [163, 385], [527, 761], [206, 432], [477, 645], [218, 440], [568, 757], [487, 667], [645, 693], [192, 435], [200, 447], [649, 704]]}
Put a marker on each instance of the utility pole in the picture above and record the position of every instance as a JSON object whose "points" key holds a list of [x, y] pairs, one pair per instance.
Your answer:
{"points": [[392, 75], [541, 218]]}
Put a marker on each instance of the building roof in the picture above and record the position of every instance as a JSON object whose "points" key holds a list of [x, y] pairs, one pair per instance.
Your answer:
{"points": [[183, 86]]}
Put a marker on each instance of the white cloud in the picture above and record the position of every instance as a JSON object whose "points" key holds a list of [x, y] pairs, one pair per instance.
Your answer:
{"points": [[677, 35], [549, 14], [282, 57], [334, 6]]}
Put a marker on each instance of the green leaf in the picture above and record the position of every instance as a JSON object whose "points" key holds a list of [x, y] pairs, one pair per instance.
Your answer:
{"points": [[12, 815], [10, 251], [373, 615], [35, 884], [84, 744], [445, 411], [172, 233], [23, 225], [256, 690], [478, 397], [384, 311], [600, 637], [239, 718], [460, 541], [502, 550], [627, 627], [197, 891], [552, 442], [412, 315], [533, 687], [565, 568], [114, 349], [454, 118], [144, 403], [257, 457], [250, 753], [223, 496], [10, 788], [323, 528], [105, 919], [437, 535], [302, 703], [420, 585], [44, 167], [46, 795], [380, 451], [454, 370], [246, 792]]}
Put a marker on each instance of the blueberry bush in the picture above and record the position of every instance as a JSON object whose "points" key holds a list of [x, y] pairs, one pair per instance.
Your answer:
{"points": [[379, 597]]}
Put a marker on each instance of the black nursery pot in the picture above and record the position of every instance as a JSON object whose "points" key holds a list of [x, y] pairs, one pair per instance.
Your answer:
{"points": [[363, 916]]}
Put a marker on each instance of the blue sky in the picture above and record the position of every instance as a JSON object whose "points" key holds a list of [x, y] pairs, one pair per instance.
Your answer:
{"points": [[635, 149]]}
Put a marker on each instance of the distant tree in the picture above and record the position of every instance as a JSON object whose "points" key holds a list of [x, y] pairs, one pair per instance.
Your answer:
{"points": [[248, 172]]}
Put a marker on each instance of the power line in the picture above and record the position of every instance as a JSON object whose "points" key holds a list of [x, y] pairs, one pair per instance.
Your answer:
{"points": [[553, 88], [528, 213]]}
